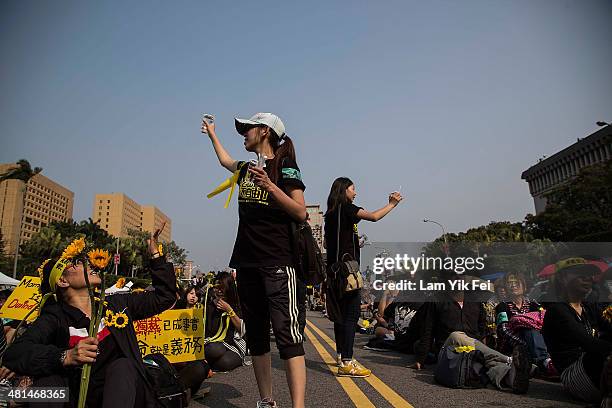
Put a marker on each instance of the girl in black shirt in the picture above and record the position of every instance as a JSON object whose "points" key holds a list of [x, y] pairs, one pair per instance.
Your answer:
{"points": [[270, 198], [342, 238]]}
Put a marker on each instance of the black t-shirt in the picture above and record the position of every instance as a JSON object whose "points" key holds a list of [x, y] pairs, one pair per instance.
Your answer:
{"points": [[349, 237], [264, 229]]}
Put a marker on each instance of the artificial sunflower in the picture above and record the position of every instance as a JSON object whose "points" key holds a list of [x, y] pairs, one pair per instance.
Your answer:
{"points": [[120, 320], [41, 268], [74, 249], [99, 258], [607, 313], [120, 283]]}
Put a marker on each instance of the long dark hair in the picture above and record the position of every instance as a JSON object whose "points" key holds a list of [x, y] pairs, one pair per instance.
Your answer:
{"points": [[282, 151], [230, 292], [337, 194]]}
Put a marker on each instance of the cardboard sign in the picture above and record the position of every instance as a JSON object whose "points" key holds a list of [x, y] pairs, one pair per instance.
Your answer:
{"points": [[177, 334], [23, 299]]}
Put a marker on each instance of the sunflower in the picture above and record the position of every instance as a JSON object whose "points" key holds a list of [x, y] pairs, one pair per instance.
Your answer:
{"points": [[41, 268], [99, 258], [74, 249], [120, 283], [108, 317], [607, 313], [120, 320]]}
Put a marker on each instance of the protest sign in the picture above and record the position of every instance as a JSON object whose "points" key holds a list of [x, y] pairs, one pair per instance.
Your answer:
{"points": [[177, 334], [23, 299]]}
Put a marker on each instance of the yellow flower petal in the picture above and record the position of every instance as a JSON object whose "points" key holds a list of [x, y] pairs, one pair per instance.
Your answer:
{"points": [[99, 258]]}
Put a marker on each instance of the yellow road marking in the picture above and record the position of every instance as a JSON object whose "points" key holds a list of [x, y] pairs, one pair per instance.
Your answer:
{"points": [[383, 389], [352, 390]]}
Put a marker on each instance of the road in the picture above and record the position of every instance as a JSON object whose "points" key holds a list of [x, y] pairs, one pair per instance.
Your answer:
{"points": [[391, 385]]}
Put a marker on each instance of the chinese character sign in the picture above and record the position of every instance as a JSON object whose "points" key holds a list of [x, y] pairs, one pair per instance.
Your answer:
{"points": [[24, 298], [177, 334]]}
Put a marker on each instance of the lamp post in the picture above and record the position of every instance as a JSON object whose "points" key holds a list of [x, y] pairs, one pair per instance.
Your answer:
{"points": [[443, 234]]}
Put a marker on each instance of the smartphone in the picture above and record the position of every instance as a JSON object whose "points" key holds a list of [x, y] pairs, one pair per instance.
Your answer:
{"points": [[208, 118]]}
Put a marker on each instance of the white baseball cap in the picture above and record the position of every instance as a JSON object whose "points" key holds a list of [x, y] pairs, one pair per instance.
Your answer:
{"points": [[267, 119]]}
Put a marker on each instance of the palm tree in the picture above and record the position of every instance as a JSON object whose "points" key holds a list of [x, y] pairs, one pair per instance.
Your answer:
{"points": [[23, 172]]}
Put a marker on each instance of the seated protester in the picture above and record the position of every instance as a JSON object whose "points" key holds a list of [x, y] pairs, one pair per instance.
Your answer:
{"points": [[193, 373], [455, 322], [569, 331], [490, 337], [225, 347], [511, 331], [383, 321], [5, 373], [56, 345]]}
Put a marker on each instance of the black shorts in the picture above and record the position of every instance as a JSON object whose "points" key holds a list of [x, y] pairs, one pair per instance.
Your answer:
{"points": [[272, 294]]}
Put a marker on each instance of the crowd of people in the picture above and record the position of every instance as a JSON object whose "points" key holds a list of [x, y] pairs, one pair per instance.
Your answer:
{"points": [[511, 337]]}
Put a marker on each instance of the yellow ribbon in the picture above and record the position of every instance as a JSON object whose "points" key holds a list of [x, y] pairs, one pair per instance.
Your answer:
{"points": [[228, 183]]}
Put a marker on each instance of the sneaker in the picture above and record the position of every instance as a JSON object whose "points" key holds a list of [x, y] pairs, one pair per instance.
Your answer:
{"points": [[522, 367], [352, 369], [266, 404]]}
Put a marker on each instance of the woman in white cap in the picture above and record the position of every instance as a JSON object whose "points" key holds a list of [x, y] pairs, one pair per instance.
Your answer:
{"points": [[271, 197]]}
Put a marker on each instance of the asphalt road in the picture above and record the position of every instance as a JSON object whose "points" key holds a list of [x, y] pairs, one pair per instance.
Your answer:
{"points": [[392, 383]]}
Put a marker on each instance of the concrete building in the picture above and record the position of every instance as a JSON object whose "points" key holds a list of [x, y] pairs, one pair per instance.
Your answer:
{"points": [[315, 219], [117, 213], [152, 219], [45, 201], [562, 166]]}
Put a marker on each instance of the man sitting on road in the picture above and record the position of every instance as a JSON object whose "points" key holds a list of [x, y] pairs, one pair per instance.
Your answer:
{"points": [[454, 322]]}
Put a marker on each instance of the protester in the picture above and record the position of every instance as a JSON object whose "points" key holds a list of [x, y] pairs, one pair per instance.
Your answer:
{"points": [[56, 344], [519, 321], [570, 328], [193, 373], [269, 200], [341, 238], [455, 321], [225, 347]]}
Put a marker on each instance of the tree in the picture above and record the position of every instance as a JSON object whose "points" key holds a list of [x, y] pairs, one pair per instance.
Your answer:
{"points": [[23, 172], [47, 243], [5, 262], [175, 254], [580, 210]]}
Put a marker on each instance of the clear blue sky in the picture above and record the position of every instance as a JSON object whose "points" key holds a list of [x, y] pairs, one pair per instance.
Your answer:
{"points": [[452, 100]]}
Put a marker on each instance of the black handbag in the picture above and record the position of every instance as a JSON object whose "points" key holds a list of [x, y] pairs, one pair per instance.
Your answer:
{"points": [[345, 271]]}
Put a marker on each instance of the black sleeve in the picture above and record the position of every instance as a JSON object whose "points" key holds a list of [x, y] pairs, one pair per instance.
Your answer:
{"points": [[150, 303], [426, 336], [32, 354], [564, 324], [290, 175], [350, 213]]}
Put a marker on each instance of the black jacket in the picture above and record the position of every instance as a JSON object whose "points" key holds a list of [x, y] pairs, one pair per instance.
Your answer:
{"points": [[567, 336], [37, 352], [442, 318]]}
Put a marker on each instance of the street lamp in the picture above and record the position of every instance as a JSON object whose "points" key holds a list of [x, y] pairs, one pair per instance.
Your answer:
{"points": [[443, 234], [602, 123]]}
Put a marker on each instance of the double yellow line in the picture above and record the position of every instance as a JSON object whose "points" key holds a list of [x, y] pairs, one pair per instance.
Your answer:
{"points": [[360, 400]]}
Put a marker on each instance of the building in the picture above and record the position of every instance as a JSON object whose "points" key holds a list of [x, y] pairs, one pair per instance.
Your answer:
{"points": [[152, 220], [117, 213], [315, 219], [45, 201], [557, 169]]}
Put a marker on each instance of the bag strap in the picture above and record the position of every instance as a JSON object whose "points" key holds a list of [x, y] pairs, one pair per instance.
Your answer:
{"points": [[338, 235]]}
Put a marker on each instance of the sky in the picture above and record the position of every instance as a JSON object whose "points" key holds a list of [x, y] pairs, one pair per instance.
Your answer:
{"points": [[451, 100]]}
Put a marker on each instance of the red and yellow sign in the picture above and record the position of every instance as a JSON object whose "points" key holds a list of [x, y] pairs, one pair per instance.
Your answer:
{"points": [[177, 334]]}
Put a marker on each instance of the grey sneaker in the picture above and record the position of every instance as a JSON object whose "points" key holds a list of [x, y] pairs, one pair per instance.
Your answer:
{"points": [[266, 404]]}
